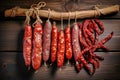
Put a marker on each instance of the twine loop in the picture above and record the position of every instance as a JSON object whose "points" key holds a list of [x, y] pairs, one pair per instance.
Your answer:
{"points": [[97, 11]]}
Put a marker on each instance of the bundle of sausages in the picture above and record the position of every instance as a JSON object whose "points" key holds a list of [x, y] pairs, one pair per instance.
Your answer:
{"points": [[80, 41]]}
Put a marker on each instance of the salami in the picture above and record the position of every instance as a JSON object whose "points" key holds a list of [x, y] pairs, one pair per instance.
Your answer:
{"points": [[46, 40], [27, 45], [37, 46], [75, 41], [54, 42], [61, 49], [68, 46]]}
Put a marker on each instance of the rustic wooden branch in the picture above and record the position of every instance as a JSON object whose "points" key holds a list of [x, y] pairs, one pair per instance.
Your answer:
{"points": [[57, 15]]}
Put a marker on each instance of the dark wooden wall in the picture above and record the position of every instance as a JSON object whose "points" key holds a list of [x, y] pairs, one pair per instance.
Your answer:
{"points": [[12, 65]]}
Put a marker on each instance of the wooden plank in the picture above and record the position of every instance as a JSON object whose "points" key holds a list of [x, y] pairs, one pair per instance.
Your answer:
{"points": [[13, 68], [11, 34], [61, 5]]}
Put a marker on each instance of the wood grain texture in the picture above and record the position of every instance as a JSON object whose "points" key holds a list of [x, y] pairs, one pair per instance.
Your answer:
{"points": [[13, 68], [12, 65], [61, 5], [11, 34]]}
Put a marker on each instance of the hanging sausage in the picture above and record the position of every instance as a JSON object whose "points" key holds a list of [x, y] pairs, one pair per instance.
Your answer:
{"points": [[37, 43], [61, 46], [27, 41], [68, 46], [54, 40], [47, 40]]}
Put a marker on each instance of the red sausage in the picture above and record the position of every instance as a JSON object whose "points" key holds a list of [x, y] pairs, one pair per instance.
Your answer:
{"points": [[54, 42], [46, 40], [37, 46], [27, 45], [68, 46], [61, 49]]}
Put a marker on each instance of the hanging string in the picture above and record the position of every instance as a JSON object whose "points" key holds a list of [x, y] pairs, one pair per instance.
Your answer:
{"points": [[37, 7], [49, 13], [27, 21], [38, 20], [41, 4], [75, 16], [61, 21], [69, 18]]}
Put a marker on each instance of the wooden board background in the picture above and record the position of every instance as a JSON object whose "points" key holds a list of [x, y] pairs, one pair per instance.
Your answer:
{"points": [[12, 65]]}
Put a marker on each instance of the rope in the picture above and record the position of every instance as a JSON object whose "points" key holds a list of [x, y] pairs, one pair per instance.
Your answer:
{"points": [[75, 16], [61, 20], [69, 18], [36, 8], [49, 14], [27, 21], [97, 11], [38, 20]]}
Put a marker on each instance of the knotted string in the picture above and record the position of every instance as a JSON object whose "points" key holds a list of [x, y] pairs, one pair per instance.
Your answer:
{"points": [[27, 21], [36, 8], [97, 11]]}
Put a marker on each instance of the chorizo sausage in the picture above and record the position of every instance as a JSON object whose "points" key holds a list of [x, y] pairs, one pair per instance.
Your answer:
{"points": [[68, 46], [37, 46], [61, 49], [27, 45], [54, 42]]}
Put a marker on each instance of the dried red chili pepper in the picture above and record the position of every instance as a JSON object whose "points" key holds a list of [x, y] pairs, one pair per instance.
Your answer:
{"points": [[88, 36], [54, 42], [37, 46]]}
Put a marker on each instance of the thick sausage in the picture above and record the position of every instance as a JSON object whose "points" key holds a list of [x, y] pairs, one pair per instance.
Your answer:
{"points": [[46, 40], [75, 41], [37, 46], [27, 45], [54, 42], [61, 49], [68, 46]]}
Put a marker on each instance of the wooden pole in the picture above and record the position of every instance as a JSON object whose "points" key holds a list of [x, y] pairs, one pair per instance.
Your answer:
{"points": [[56, 15]]}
